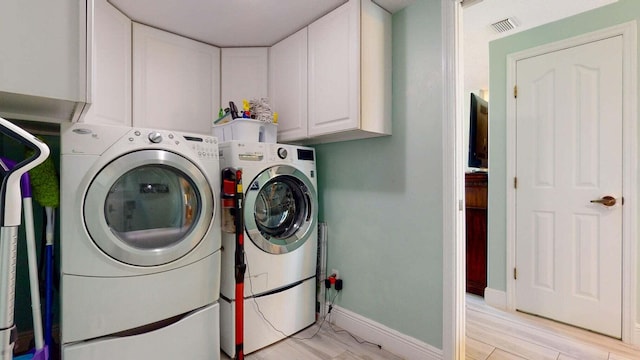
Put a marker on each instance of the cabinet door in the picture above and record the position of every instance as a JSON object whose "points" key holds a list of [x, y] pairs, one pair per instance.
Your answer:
{"points": [[334, 71], [43, 59], [110, 80], [43, 48], [176, 81], [476, 232], [244, 75], [288, 85]]}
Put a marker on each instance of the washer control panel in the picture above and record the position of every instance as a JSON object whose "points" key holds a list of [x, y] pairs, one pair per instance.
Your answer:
{"points": [[282, 153], [291, 154]]}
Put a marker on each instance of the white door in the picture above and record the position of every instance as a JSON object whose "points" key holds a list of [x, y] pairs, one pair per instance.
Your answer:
{"points": [[569, 153]]}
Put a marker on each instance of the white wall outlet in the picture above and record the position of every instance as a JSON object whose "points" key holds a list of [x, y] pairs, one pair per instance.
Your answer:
{"points": [[335, 272]]}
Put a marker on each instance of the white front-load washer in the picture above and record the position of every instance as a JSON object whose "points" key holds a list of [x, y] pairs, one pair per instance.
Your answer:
{"points": [[140, 243], [280, 217]]}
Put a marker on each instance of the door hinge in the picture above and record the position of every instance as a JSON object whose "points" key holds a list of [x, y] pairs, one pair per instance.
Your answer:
{"points": [[622, 200], [515, 91], [515, 182], [515, 274]]}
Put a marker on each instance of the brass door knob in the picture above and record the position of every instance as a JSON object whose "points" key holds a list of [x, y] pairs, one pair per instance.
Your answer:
{"points": [[606, 201]]}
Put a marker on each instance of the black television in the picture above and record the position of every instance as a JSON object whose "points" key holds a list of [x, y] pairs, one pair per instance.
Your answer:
{"points": [[479, 133]]}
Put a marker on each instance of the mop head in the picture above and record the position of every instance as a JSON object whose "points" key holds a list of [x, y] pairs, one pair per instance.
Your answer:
{"points": [[44, 183]]}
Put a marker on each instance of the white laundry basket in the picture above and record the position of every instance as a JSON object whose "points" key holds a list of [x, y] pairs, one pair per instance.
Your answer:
{"points": [[246, 130]]}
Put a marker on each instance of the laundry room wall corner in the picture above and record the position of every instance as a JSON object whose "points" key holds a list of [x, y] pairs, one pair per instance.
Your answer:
{"points": [[382, 198]]}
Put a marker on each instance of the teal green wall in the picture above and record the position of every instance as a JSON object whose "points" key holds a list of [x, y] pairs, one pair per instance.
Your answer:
{"points": [[382, 198], [617, 13]]}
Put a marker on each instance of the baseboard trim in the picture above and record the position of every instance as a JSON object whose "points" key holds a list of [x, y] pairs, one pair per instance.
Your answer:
{"points": [[495, 298], [391, 340]]}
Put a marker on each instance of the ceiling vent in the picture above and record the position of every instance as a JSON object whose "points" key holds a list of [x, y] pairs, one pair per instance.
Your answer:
{"points": [[504, 25]]}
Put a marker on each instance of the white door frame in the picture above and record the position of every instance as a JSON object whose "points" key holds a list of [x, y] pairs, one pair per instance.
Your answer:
{"points": [[453, 233], [630, 331]]}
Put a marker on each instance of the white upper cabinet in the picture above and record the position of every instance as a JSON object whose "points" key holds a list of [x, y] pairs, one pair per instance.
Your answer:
{"points": [[244, 75], [176, 81], [288, 86], [350, 73], [110, 78], [43, 60], [70, 60], [334, 71]]}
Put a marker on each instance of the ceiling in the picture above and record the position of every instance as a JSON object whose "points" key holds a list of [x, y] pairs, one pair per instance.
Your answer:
{"points": [[234, 23], [230, 23], [477, 30]]}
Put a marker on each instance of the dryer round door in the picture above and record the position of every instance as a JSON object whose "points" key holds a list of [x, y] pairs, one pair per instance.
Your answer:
{"points": [[280, 209], [148, 207]]}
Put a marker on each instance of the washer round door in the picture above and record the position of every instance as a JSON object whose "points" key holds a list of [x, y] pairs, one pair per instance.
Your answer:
{"points": [[280, 209], [148, 208]]}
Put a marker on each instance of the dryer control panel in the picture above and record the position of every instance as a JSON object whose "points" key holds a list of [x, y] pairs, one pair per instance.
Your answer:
{"points": [[205, 147]]}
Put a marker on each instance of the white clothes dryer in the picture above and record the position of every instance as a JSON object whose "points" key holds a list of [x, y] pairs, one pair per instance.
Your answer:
{"points": [[140, 242], [280, 217]]}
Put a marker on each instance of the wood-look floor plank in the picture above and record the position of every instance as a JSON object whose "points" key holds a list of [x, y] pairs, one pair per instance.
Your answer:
{"points": [[566, 357], [503, 355], [477, 350], [318, 339], [492, 334], [367, 351], [541, 336], [347, 355], [327, 343], [570, 341], [282, 350], [614, 356], [509, 343]]}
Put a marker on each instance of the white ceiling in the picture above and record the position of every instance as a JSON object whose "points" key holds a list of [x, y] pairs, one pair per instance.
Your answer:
{"points": [[229, 23], [477, 31]]}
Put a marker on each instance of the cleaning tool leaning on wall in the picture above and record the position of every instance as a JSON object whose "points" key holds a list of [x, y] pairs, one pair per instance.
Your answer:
{"points": [[40, 352], [10, 217], [46, 191]]}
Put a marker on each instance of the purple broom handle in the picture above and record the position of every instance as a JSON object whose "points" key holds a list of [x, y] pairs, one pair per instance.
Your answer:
{"points": [[25, 184]]}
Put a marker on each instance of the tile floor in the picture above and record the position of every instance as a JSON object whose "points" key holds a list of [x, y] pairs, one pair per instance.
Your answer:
{"points": [[330, 343], [492, 334]]}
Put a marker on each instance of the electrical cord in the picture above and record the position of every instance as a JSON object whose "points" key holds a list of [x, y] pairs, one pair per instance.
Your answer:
{"points": [[255, 302], [326, 317], [264, 317], [365, 342]]}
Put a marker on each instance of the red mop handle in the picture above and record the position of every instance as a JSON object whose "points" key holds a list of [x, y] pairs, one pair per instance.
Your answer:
{"points": [[240, 267], [239, 320]]}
